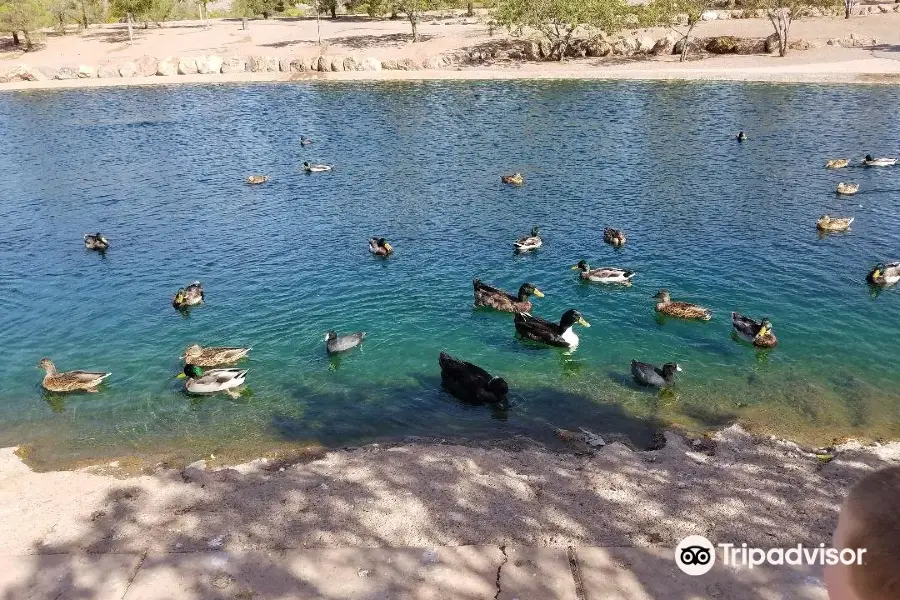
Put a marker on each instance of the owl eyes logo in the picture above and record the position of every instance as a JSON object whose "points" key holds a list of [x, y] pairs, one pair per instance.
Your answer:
{"points": [[695, 555]]}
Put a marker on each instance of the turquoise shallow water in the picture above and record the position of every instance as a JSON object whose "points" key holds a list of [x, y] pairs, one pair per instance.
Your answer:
{"points": [[160, 173]]}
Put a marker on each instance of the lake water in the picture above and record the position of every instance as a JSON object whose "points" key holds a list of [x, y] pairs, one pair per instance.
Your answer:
{"points": [[731, 226]]}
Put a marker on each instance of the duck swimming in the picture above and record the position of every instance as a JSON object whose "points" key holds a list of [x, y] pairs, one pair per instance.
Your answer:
{"points": [[741, 136], [847, 189], [884, 274], [95, 241], [70, 381], [647, 374], [837, 163], [212, 381], [531, 242], [305, 141], [759, 334], [380, 247], [604, 274], [335, 343], [682, 310], [192, 295], [870, 161], [616, 237], [554, 334], [471, 383], [316, 167], [514, 179], [213, 356], [257, 179], [497, 299], [829, 223]]}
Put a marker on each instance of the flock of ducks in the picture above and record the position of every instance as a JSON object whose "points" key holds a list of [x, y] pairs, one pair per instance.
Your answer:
{"points": [[464, 380]]}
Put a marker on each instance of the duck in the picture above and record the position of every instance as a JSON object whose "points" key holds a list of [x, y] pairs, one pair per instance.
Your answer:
{"points": [[603, 274], [682, 310], [648, 375], [380, 247], [213, 356], [305, 141], [847, 189], [884, 274], [554, 334], [498, 299], [616, 237], [870, 161], [741, 136], [514, 179], [829, 223], [837, 163], [212, 381], [316, 167], [191, 295], [531, 242], [335, 343], [471, 383], [257, 179], [757, 333], [70, 381], [95, 241]]}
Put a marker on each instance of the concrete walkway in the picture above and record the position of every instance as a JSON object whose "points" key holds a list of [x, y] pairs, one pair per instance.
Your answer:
{"points": [[446, 573]]}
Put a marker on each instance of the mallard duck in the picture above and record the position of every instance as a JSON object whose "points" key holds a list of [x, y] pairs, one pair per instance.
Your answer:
{"points": [[213, 356], [759, 334], [212, 381], [471, 383], [531, 242], [741, 136], [191, 295], [70, 381], [884, 274], [829, 223], [305, 141], [870, 161], [257, 179], [616, 237], [95, 241], [380, 247], [847, 189], [837, 163], [335, 343], [497, 299], [603, 274], [316, 168], [553, 334], [514, 179], [682, 310], [647, 374]]}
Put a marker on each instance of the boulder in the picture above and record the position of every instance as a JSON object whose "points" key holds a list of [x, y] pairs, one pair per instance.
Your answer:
{"points": [[66, 73], [167, 67], [259, 64], [86, 72], [750, 46], [772, 43], [544, 49], [598, 48], [108, 72], [234, 64], [336, 64], [532, 50], [709, 15], [693, 46], [145, 66], [24, 73], [645, 44], [576, 49], [435, 62], [885, 8], [626, 46], [128, 69], [187, 66], [663, 46], [799, 44], [724, 44], [208, 65], [390, 65], [408, 64], [350, 64], [371, 64]]}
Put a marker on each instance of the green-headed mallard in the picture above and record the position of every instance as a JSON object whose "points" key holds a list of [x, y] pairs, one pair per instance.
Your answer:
{"points": [[95, 241], [213, 356], [514, 179], [603, 274], [257, 179], [829, 223], [212, 381], [531, 242], [191, 295], [884, 274], [647, 374], [757, 333], [305, 141], [70, 381], [741, 136], [380, 247], [335, 343], [616, 237], [497, 299], [554, 334], [471, 383], [870, 161], [837, 163], [316, 167], [682, 310], [847, 189]]}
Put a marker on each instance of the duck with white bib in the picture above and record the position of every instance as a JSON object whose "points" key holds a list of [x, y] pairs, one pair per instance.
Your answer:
{"points": [[546, 332]]}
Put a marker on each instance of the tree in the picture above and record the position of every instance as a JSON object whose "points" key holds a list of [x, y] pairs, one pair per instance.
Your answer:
{"points": [[130, 9], [330, 6], [782, 13], [558, 20], [848, 7], [681, 16], [251, 8], [411, 8], [61, 10], [27, 16]]}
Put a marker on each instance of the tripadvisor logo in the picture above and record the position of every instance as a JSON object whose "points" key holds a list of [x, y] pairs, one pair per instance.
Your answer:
{"points": [[695, 555]]}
